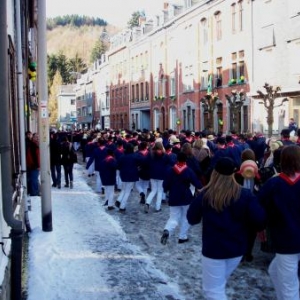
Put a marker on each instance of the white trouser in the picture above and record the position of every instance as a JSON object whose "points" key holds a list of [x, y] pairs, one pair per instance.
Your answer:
{"points": [[98, 182], [283, 271], [215, 273], [118, 180], [142, 186], [109, 194], [126, 190], [178, 217], [156, 189], [91, 168]]}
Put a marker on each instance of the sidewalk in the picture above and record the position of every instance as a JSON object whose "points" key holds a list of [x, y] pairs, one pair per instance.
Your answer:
{"points": [[97, 254]]}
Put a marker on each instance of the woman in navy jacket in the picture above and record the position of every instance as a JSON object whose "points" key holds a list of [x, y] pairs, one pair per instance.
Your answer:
{"points": [[158, 162], [177, 182], [227, 210], [280, 197]]}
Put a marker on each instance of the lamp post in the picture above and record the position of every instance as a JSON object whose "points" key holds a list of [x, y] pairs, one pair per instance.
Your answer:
{"points": [[209, 102], [268, 100], [236, 101]]}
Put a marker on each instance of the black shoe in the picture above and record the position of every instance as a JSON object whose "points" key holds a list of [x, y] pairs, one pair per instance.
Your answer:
{"points": [[142, 201], [102, 191], [66, 185], [53, 185], [164, 237], [110, 207], [146, 208], [89, 175], [106, 203], [117, 203], [58, 186], [181, 241], [122, 210], [158, 210]]}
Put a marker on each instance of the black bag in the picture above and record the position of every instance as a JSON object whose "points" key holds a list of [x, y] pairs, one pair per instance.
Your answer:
{"points": [[73, 155], [265, 173]]}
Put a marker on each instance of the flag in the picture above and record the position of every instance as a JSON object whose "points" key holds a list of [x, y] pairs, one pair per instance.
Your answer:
{"points": [[209, 85]]}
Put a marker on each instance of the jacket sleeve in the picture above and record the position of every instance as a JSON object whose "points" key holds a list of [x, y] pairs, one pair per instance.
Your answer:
{"points": [[194, 213]]}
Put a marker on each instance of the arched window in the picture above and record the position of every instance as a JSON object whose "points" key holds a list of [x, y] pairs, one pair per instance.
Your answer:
{"points": [[218, 25]]}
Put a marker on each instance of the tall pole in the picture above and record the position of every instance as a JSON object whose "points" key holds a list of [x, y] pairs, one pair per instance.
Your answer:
{"points": [[43, 118]]}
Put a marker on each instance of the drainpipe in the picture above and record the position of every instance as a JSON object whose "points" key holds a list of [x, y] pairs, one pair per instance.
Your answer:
{"points": [[21, 113], [16, 233]]}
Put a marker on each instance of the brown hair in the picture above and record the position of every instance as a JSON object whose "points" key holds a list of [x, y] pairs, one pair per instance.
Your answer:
{"points": [[290, 160], [248, 154], [221, 191]]}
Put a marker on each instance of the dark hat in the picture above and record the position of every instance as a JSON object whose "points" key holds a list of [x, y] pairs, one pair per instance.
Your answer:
{"points": [[225, 166]]}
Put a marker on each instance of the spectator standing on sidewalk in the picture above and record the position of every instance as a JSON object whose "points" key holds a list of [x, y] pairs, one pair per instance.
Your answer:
{"points": [[280, 197], [67, 161], [33, 165], [55, 160], [227, 209], [177, 183]]}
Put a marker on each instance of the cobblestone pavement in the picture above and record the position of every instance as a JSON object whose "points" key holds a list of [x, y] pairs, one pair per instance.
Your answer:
{"points": [[182, 262]]}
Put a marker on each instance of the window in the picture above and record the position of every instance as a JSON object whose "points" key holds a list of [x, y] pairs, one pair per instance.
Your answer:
{"points": [[233, 16], [218, 26], [142, 91], [73, 102], [172, 85], [218, 82], [241, 15], [147, 91], [132, 93], [241, 68], [234, 71], [137, 92], [204, 31], [188, 78], [172, 120]]}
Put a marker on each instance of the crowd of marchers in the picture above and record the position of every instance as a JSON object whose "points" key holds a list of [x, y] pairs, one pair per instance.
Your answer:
{"points": [[240, 186]]}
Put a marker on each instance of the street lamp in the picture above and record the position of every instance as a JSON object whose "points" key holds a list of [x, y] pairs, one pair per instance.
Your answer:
{"points": [[268, 100], [209, 102], [236, 101]]}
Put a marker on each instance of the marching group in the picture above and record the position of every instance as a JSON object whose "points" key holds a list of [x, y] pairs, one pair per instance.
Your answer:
{"points": [[238, 186]]}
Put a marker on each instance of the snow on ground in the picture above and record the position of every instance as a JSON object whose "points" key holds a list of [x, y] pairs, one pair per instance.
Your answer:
{"points": [[97, 254]]}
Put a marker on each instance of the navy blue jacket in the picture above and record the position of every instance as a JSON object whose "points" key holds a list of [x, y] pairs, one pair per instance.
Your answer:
{"points": [[128, 166], [158, 165], [224, 234], [178, 184], [98, 155], [143, 164], [108, 171], [281, 199]]}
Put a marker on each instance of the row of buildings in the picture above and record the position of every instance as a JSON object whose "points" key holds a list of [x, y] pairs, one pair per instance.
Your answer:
{"points": [[195, 65]]}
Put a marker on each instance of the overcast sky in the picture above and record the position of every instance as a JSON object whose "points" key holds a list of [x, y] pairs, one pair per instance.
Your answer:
{"points": [[115, 12]]}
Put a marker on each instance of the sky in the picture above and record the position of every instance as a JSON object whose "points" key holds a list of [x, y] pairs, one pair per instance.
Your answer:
{"points": [[115, 12]]}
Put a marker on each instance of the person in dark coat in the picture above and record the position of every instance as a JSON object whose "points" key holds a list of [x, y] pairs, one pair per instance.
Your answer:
{"points": [[89, 149], [158, 162], [98, 155], [177, 183], [143, 183], [280, 198], [108, 169], [227, 209], [67, 161], [55, 160], [118, 152], [128, 166]]}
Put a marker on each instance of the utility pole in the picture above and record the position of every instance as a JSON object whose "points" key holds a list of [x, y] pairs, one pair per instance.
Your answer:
{"points": [[44, 118]]}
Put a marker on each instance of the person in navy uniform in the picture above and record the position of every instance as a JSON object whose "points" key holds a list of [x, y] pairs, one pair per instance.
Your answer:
{"points": [[226, 210], [178, 180]]}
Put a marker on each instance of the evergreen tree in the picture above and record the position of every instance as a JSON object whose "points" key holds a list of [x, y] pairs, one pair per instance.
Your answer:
{"points": [[135, 17], [98, 50]]}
